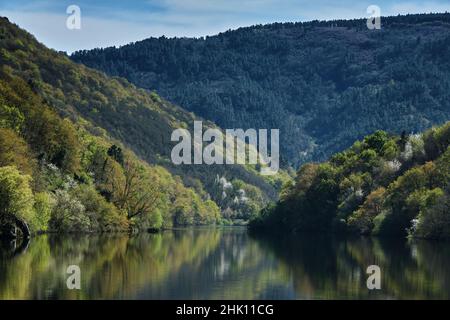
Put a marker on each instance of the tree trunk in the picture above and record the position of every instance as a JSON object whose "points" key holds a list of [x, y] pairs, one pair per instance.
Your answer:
{"points": [[23, 226], [9, 230]]}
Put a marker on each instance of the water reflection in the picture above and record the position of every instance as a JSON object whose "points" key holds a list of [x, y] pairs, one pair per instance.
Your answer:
{"points": [[324, 267], [209, 263]]}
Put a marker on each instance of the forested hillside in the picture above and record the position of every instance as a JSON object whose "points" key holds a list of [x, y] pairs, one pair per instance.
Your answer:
{"points": [[80, 151], [384, 185], [324, 84]]}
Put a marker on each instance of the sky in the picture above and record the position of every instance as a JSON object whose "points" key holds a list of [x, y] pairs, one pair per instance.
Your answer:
{"points": [[116, 22]]}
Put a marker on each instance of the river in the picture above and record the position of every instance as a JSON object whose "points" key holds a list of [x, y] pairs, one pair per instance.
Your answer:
{"points": [[223, 263]]}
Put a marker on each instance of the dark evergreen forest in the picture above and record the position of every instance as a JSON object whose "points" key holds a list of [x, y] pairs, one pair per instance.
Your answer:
{"points": [[324, 84]]}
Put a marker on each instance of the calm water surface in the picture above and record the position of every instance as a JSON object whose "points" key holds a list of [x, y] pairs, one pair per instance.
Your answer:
{"points": [[227, 263]]}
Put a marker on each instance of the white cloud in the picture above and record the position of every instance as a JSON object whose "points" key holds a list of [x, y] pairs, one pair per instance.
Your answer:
{"points": [[107, 26], [51, 30], [418, 7]]}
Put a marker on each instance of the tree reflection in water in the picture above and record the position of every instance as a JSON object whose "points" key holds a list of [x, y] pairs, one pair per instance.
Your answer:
{"points": [[213, 263]]}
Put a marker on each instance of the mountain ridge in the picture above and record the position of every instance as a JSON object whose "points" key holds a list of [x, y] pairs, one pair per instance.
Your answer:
{"points": [[316, 81], [115, 110]]}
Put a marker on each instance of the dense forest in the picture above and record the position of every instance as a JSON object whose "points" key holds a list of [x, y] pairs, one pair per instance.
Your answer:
{"points": [[324, 84], [82, 152], [383, 185]]}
